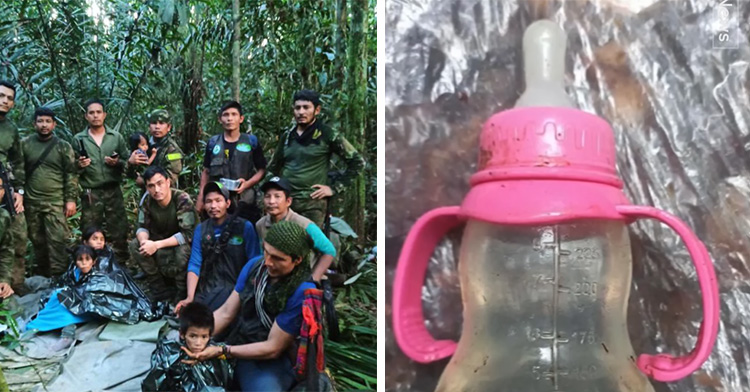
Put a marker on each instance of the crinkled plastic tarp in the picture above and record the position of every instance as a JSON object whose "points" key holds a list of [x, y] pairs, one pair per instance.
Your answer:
{"points": [[679, 110], [110, 292], [166, 360]]}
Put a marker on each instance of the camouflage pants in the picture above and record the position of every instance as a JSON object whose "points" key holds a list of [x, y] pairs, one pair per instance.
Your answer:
{"points": [[314, 210], [19, 235], [49, 233], [166, 270], [105, 207]]}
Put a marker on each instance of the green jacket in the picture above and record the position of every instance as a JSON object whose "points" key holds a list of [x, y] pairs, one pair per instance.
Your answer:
{"points": [[10, 152], [6, 247], [55, 179], [99, 174], [177, 219], [304, 160]]}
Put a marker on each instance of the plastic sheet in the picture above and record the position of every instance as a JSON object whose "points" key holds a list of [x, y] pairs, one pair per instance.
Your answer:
{"points": [[678, 107], [168, 373], [110, 292]]}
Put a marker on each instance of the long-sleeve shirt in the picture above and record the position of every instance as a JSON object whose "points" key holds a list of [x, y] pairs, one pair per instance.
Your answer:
{"points": [[98, 174], [55, 180], [10, 152], [6, 247], [304, 160], [250, 239]]}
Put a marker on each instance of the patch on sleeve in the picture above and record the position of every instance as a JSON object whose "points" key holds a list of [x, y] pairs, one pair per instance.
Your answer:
{"points": [[174, 156]]}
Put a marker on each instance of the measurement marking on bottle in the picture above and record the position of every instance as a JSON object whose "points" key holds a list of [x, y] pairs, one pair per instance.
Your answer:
{"points": [[555, 306]]}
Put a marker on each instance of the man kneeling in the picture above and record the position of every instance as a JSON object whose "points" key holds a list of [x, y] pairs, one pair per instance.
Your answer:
{"points": [[165, 228], [267, 306]]}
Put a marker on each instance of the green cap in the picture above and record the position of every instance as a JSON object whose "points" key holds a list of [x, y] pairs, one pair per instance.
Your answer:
{"points": [[159, 115], [289, 238]]}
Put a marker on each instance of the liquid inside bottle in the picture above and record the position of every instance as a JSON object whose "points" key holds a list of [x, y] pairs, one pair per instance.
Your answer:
{"points": [[545, 310]]}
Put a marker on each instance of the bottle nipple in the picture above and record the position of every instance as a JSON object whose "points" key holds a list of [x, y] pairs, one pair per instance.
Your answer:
{"points": [[544, 44]]}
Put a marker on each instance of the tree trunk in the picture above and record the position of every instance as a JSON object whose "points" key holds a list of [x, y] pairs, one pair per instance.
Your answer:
{"points": [[336, 71], [236, 50], [192, 98], [355, 124]]}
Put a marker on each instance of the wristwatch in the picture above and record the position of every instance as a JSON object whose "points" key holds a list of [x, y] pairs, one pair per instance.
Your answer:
{"points": [[20, 192]]}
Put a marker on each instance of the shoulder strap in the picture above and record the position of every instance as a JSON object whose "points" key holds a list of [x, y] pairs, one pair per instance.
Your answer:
{"points": [[39, 161]]}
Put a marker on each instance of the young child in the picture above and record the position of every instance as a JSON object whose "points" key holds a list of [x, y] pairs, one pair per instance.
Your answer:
{"points": [[54, 315], [169, 370], [94, 237], [139, 143]]}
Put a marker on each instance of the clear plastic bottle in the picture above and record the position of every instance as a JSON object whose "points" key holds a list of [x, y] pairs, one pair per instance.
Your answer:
{"points": [[545, 310]]}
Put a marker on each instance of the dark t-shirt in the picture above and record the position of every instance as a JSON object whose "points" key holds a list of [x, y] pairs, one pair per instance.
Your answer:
{"points": [[259, 160]]}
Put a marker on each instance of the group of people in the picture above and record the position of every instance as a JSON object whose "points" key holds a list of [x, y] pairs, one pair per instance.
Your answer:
{"points": [[246, 264]]}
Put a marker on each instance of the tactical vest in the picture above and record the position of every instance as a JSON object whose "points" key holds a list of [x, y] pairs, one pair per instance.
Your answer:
{"points": [[223, 257], [241, 166], [247, 327]]}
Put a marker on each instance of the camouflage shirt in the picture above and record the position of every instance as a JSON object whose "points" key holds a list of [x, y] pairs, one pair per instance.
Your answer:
{"points": [[6, 247], [304, 160], [55, 179], [169, 156], [176, 219], [10, 152]]}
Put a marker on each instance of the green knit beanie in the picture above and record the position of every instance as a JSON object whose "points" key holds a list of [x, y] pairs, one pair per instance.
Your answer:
{"points": [[289, 238]]}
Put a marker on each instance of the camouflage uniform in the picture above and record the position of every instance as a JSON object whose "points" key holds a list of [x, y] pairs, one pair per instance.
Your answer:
{"points": [[6, 247], [12, 157], [304, 160], [102, 203], [48, 188], [166, 269], [169, 155]]}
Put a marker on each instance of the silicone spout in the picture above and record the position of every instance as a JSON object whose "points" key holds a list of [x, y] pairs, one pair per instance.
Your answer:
{"points": [[544, 44]]}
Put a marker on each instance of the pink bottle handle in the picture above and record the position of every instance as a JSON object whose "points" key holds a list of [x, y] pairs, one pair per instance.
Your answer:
{"points": [[664, 367], [408, 319]]}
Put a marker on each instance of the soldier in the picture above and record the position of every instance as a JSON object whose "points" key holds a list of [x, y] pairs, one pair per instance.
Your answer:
{"points": [[165, 230], [51, 193], [168, 154], [235, 159], [303, 157], [277, 201], [12, 159], [100, 155], [222, 245], [6, 249]]}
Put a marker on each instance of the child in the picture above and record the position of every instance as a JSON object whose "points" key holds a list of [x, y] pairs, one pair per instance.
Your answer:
{"points": [[170, 372], [94, 237], [139, 143], [54, 315]]}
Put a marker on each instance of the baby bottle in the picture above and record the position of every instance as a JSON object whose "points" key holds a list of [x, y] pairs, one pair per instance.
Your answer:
{"points": [[545, 264]]}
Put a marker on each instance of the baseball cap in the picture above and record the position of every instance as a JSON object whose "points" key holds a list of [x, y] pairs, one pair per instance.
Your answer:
{"points": [[278, 183], [159, 115], [215, 187]]}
